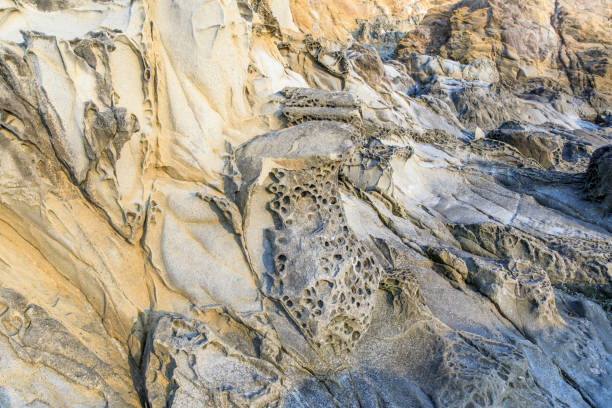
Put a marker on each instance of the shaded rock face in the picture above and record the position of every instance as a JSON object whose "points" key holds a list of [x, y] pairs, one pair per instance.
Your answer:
{"points": [[598, 183], [285, 203]]}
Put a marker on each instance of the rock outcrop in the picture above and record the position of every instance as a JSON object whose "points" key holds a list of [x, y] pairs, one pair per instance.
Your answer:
{"points": [[289, 203], [598, 183]]}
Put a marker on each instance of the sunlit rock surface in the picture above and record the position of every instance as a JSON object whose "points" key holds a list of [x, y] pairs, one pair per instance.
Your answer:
{"points": [[297, 203]]}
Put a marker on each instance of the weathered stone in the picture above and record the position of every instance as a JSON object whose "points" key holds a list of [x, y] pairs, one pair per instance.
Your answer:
{"points": [[598, 183], [543, 148], [292, 203], [187, 363]]}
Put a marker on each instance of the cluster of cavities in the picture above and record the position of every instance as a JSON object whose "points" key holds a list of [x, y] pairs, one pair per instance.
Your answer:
{"points": [[306, 97], [298, 115], [330, 299]]}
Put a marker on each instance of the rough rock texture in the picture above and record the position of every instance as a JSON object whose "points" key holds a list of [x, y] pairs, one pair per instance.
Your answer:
{"points": [[299, 203], [598, 177]]}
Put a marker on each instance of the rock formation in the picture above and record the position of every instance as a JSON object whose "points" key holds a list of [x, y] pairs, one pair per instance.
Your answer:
{"points": [[296, 203]]}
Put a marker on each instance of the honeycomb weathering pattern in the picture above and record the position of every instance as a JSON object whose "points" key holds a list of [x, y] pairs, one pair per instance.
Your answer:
{"points": [[305, 104], [296, 114], [327, 291], [307, 97]]}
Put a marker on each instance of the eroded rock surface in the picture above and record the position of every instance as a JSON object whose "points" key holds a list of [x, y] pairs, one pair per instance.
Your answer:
{"points": [[598, 183], [287, 203]]}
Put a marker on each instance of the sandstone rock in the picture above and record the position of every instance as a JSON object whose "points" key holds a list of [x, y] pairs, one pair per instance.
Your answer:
{"points": [[276, 203], [598, 185], [326, 293], [186, 363], [44, 362], [526, 40], [543, 148], [370, 168]]}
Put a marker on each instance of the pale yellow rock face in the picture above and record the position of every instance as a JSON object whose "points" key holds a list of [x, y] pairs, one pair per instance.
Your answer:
{"points": [[526, 39], [305, 203], [339, 19]]}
